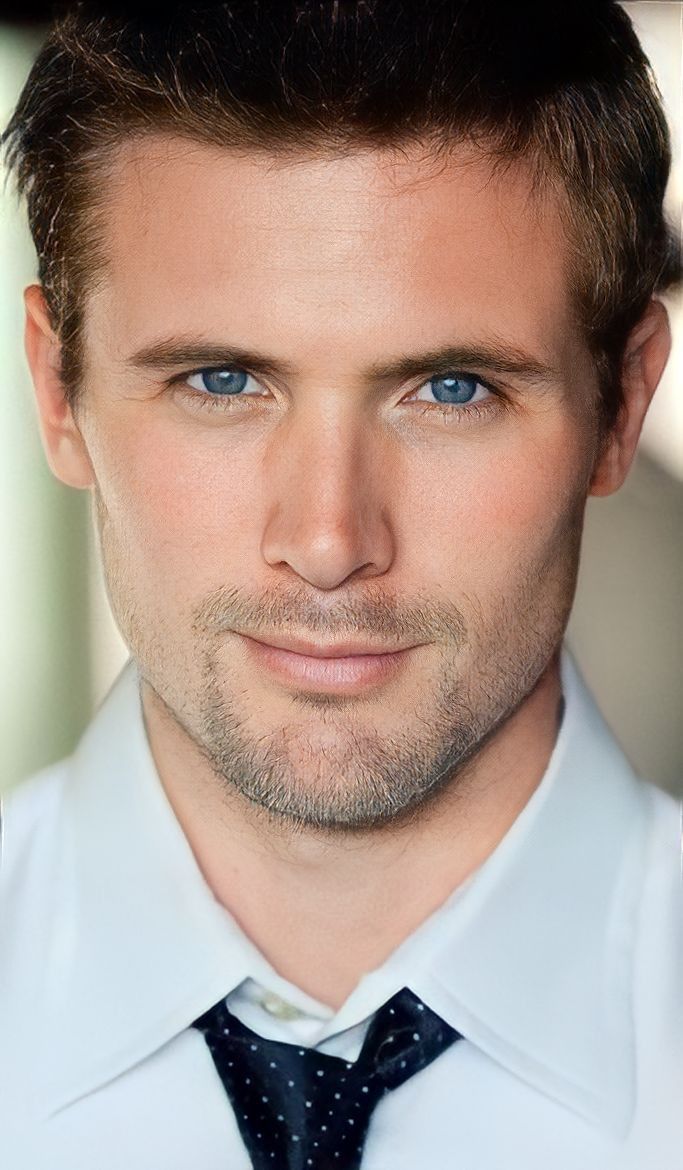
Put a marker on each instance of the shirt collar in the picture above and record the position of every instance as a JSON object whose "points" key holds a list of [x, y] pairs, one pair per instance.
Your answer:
{"points": [[533, 960], [148, 948], [537, 969]]}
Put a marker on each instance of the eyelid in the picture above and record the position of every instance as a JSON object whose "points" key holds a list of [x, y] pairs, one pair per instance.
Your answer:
{"points": [[184, 374], [453, 373]]}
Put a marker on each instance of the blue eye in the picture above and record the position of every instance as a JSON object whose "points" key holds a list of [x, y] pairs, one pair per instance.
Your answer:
{"points": [[219, 381], [457, 389]]}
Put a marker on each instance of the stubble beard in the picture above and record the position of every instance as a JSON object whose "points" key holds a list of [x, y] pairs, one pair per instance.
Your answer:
{"points": [[356, 779], [349, 776]]}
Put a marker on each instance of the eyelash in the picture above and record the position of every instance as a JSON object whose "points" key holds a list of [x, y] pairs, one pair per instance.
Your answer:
{"points": [[466, 412]]}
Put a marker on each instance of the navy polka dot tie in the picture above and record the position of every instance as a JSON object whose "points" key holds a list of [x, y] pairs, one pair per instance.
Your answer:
{"points": [[298, 1109]]}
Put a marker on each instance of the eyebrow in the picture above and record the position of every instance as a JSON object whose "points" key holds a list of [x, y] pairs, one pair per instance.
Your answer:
{"points": [[495, 355]]}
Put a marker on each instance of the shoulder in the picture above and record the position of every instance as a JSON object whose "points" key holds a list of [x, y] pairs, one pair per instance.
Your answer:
{"points": [[29, 816], [659, 917], [662, 868], [665, 830], [658, 950], [31, 799]]}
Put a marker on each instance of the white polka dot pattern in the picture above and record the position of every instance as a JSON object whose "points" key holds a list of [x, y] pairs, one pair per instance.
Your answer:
{"points": [[298, 1108]]}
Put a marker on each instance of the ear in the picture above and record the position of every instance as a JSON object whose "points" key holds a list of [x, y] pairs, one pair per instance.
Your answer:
{"points": [[646, 354], [64, 445]]}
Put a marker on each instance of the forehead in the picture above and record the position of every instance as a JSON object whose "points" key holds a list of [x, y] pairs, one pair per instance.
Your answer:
{"points": [[204, 239]]}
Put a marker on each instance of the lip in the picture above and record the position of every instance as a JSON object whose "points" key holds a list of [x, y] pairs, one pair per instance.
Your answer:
{"points": [[313, 650], [345, 668]]}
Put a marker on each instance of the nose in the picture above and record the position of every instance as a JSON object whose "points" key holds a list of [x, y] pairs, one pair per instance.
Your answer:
{"points": [[327, 516]]}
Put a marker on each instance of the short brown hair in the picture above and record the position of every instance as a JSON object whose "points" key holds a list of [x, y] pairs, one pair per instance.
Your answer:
{"points": [[567, 87]]}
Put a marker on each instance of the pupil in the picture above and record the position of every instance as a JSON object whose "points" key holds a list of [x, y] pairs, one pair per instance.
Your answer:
{"points": [[452, 389], [224, 381]]}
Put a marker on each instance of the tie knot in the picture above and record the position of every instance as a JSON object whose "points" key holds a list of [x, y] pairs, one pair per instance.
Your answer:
{"points": [[403, 1038], [300, 1109]]}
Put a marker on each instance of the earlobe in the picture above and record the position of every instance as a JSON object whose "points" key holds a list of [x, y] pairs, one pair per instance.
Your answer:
{"points": [[62, 439], [645, 356]]}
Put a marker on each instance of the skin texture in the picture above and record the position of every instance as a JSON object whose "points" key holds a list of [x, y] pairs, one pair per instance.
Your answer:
{"points": [[329, 503]]}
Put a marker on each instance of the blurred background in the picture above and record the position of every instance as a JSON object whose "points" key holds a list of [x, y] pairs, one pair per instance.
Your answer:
{"points": [[61, 651]]}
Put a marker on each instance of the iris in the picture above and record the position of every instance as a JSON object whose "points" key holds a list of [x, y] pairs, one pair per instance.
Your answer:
{"points": [[457, 388], [223, 381]]}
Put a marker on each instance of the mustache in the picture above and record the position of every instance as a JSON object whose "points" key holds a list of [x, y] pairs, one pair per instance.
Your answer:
{"points": [[296, 611]]}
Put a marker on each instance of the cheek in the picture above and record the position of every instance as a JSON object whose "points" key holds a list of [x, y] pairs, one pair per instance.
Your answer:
{"points": [[492, 513], [179, 510]]}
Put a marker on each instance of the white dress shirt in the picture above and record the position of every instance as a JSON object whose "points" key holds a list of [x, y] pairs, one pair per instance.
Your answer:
{"points": [[560, 961]]}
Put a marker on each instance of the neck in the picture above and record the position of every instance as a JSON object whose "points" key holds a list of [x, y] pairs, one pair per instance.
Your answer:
{"points": [[324, 908]]}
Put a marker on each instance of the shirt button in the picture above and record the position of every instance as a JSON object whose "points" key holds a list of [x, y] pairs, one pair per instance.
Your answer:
{"points": [[275, 1006]]}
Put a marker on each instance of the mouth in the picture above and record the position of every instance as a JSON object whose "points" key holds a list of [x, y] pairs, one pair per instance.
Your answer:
{"points": [[346, 667]]}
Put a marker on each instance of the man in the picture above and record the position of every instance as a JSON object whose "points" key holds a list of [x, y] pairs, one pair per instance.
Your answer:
{"points": [[344, 310]]}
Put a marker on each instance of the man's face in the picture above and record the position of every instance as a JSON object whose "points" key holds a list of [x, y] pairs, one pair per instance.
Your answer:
{"points": [[344, 487]]}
